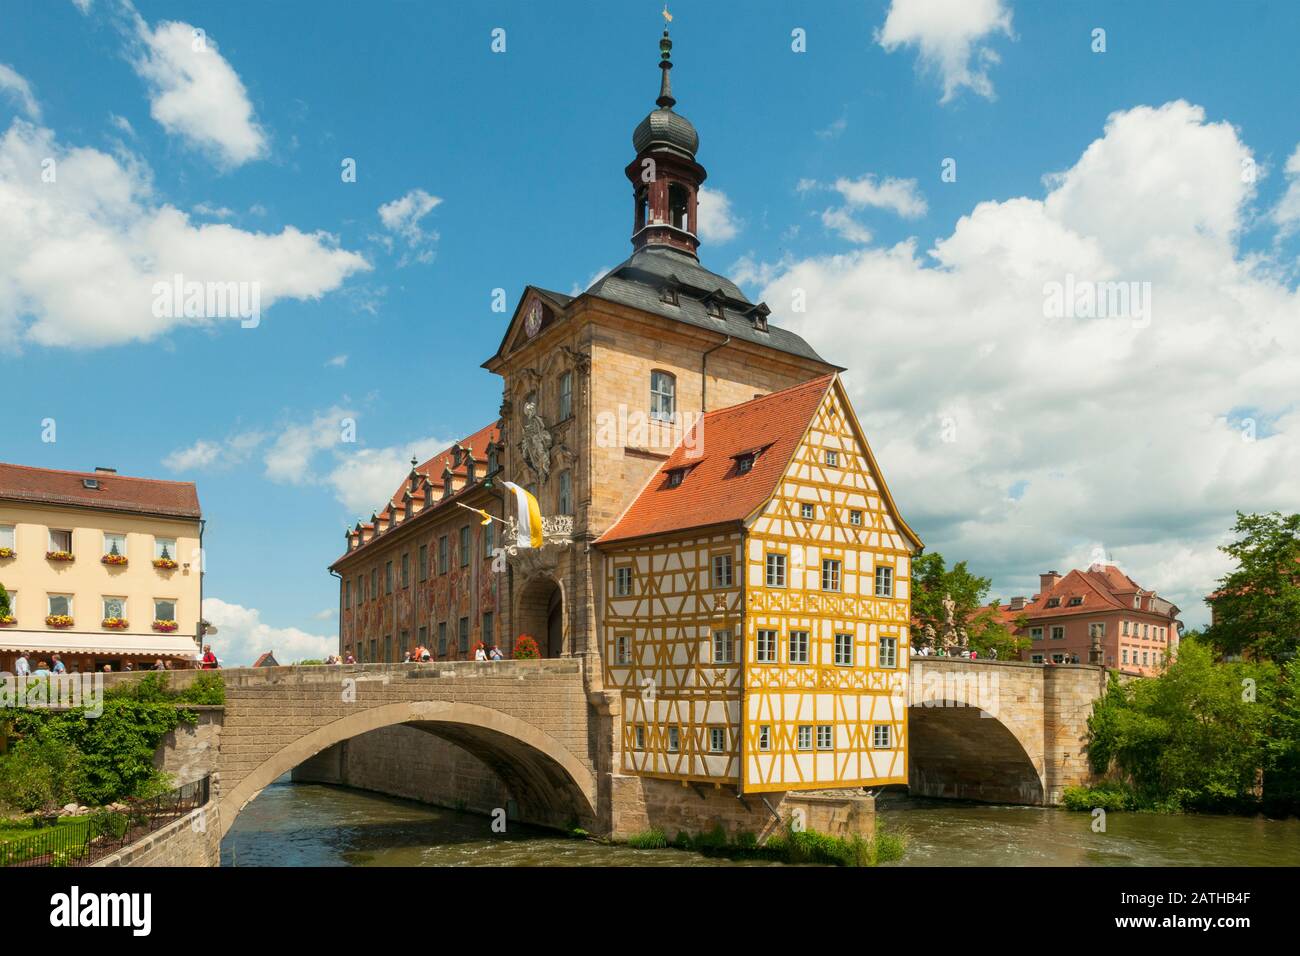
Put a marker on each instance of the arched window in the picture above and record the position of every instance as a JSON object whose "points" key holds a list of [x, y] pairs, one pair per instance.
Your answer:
{"points": [[678, 205], [642, 202], [663, 396]]}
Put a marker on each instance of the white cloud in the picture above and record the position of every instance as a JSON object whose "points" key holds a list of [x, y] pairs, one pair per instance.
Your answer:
{"points": [[841, 221], [194, 93], [206, 455], [213, 211], [900, 196], [83, 5], [121, 124], [577, 289], [717, 223], [1287, 212], [364, 480], [289, 459], [338, 361], [949, 35], [85, 256], [15, 87], [1123, 434], [402, 217], [242, 636]]}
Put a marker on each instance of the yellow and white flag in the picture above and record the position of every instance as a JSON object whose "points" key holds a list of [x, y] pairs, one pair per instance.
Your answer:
{"points": [[528, 527]]}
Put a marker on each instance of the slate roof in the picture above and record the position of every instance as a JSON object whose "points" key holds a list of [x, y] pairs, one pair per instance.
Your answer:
{"points": [[713, 490], [179, 499], [639, 282]]}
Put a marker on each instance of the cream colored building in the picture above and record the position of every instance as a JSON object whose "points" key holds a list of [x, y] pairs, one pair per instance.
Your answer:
{"points": [[100, 568]]}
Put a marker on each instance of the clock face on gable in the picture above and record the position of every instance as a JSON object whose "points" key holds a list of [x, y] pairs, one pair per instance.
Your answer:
{"points": [[533, 320]]}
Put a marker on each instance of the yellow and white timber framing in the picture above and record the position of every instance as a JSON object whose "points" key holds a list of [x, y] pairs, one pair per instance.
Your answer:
{"points": [[785, 719]]}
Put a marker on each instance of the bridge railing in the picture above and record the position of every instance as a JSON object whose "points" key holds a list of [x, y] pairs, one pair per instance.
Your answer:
{"points": [[104, 832]]}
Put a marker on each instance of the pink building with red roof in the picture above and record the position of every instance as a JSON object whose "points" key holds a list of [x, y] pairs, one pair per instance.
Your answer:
{"points": [[1135, 630]]}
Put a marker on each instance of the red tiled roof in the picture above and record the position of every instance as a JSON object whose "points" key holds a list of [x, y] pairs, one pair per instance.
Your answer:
{"points": [[261, 661], [115, 492], [1100, 587], [713, 490]]}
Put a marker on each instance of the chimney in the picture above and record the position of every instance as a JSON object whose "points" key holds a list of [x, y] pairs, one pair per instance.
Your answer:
{"points": [[1047, 580], [101, 470], [1017, 604]]}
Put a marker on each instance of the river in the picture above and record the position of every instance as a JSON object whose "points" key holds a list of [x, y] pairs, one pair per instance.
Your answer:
{"points": [[297, 824]]}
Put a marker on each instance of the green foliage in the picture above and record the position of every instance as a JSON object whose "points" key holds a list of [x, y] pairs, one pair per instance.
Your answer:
{"points": [[39, 773], [985, 632], [1202, 736], [1257, 612], [5, 608], [306, 662], [648, 840], [207, 687], [1108, 796]]}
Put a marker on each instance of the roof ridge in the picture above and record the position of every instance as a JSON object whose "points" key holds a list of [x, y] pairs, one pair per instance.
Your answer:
{"points": [[770, 395], [94, 474]]}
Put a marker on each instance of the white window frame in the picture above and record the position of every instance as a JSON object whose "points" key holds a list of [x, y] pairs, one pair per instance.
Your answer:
{"points": [[623, 581], [9, 536], [157, 548], [49, 607], [832, 572], [724, 646], [112, 536], [1035, 658], [53, 546], [842, 659], [888, 652], [881, 736], [638, 737], [717, 740], [855, 517], [105, 598], [717, 579], [832, 458], [774, 561], [764, 738], [1035, 633], [765, 642], [825, 736], [663, 396], [623, 649], [803, 737], [798, 647], [807, 511], [884, 578], [1057, 632], [674, 741], [172, 601]]}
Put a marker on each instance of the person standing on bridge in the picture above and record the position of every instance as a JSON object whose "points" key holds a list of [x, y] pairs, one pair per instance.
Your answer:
{"points": [[210, 662], [480, 653], [495, 654]]}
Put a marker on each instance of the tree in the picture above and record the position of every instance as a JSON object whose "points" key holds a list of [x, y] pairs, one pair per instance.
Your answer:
{"points": [[5, 608], [1257, 607], [985, 630]]}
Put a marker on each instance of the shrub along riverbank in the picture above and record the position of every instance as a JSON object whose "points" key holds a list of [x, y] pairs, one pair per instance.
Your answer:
{"points": [[1203, 736], [53, 758], [788, 846]]}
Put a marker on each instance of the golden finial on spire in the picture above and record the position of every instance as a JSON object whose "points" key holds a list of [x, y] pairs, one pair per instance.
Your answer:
{"points": [[668, 17]]}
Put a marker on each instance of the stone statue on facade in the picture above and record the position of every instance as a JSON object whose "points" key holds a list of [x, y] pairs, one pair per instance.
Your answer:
{"points": [[535, 443]]}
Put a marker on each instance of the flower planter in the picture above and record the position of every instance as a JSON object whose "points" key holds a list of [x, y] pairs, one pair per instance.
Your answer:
{"points": [[526, 648], [7, 553], [165, 564], [59, 621], [8, 621], [114, 624], [165, 626], [59, 556], [116, 560]]}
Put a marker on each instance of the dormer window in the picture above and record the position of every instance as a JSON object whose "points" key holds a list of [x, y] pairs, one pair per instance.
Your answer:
{"points": [[668, 294], [1075, 601], [745, 463], [1054, 602], [758, 317], [675, 476], [713, 304], [91, 484]]}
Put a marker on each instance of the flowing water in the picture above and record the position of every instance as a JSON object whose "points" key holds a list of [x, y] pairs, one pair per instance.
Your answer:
{"points": [[295, 824]]}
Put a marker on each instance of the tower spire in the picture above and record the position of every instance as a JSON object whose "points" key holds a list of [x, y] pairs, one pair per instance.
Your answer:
{"points": [[665, 100]]}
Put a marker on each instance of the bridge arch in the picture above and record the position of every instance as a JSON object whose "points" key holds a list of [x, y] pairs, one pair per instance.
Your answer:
{"points": [[959, 751], [548, 782]]}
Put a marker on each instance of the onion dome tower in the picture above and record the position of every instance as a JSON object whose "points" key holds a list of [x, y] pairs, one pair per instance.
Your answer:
{"points": [[665, 176]]}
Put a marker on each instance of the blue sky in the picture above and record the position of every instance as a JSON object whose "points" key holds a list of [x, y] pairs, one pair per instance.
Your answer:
{"points": [[505, 168]]}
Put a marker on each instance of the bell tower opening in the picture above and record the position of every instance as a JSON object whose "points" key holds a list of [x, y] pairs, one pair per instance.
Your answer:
{"points": [[665, 177]]}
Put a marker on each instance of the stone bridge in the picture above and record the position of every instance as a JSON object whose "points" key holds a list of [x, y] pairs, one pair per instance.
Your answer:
{"points": [[1005, 732], [999, 731]]}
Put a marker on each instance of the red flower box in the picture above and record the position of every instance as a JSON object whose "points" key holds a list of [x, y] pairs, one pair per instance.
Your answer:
{"points": [[60, 556], [59, 621], [165, 626], [165, 564], [8, 553], [526, 648], [114, 624], [8, 621], [117, 560]]}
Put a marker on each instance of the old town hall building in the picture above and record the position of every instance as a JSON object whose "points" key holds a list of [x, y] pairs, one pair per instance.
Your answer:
{"points": [[721, 550]]}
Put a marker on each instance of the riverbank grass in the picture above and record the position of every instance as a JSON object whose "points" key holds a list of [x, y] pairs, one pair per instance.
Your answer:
{"points": [[788, 846]]}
